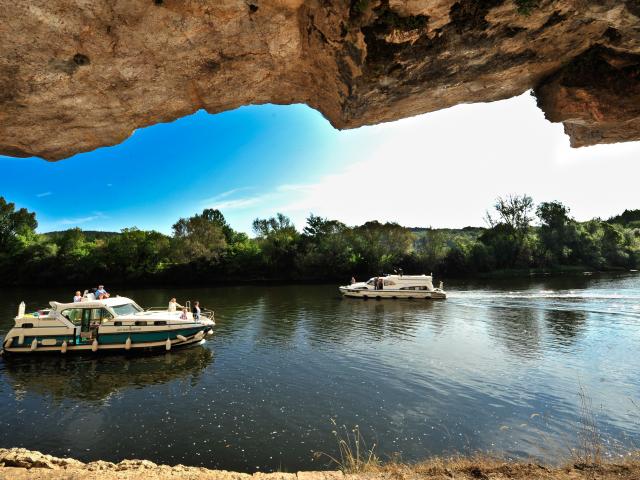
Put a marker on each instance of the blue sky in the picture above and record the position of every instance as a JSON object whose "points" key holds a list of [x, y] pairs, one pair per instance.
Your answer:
{"points": [[439, 169]]}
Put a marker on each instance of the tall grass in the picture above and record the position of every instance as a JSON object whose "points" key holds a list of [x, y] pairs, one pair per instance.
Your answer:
{"points": [[354, 455], [590, 445]]}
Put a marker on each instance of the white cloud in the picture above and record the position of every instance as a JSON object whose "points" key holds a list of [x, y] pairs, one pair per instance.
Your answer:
{"points": [[44, 194], [446, 168]]}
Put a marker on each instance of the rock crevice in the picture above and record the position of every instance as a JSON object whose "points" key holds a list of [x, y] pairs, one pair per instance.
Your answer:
{"points": [[75, 75]]}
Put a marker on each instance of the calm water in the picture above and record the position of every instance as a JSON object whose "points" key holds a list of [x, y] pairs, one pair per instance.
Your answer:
{"points": [[496, 367]]}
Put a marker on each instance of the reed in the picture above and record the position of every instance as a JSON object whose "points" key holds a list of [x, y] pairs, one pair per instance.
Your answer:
{"points": [[590, 448], [354, 454]]}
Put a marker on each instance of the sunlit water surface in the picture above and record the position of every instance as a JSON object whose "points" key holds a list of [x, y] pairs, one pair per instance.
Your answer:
{"points": [[497, 367]]}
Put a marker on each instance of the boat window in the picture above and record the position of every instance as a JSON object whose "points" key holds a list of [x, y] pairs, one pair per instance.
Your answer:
{"points": [[74, 315], [126, 309], [160, 322], [141, 323], [100, 314], [371, 282], [27, 325]]}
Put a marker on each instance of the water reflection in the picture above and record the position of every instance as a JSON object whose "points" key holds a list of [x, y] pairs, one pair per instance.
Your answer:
{"points": [[95, 379], [566, 325], [497, 366], [519, 330]]}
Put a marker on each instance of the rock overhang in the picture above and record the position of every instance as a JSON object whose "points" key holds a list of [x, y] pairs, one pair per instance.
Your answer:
{"points": [[75, 76]]}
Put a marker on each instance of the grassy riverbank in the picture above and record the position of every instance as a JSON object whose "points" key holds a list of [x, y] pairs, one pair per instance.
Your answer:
{"points": [[21, 464]]}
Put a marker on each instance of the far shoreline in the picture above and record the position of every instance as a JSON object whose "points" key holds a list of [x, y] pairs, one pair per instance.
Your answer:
{"points": [[503, 274]]}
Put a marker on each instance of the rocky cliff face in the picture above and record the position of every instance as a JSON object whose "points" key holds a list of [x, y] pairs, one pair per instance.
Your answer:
{"points": [[77, 75]]}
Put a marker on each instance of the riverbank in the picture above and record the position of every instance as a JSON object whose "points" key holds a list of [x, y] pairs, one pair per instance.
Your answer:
{"points": [[19, 464]]}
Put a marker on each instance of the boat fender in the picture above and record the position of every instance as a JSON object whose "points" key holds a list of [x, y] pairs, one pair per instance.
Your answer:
{"points": [[167, 344], [21, 339], [199, 335], [8, 342], [34, 344], [94, 345], [127, 344], [63, 348], [210, 331], [182, 338]]}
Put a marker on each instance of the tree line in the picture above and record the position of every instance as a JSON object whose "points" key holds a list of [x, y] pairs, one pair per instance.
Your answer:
{"points": [[202, 249]]}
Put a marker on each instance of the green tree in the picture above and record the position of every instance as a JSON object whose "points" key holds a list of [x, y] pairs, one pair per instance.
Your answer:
{"points": [[15, 224], [278, 239], [556, 232], [202, 236], [136, 253], [380, 247], [509, 231], [325, 251], [431, 249]]}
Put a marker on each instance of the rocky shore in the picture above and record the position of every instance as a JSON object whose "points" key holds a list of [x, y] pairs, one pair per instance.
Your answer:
{"points": [[19, 463]]}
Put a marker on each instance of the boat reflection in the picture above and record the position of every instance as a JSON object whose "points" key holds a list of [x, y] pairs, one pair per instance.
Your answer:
{"points": [[95, 379]]}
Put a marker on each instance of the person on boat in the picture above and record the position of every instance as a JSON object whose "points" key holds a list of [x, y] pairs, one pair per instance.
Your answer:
{"points": [[375, 283], [101, 293], [174, 305], [353, 280], [183, 315], [77, 297], [196, 310]]}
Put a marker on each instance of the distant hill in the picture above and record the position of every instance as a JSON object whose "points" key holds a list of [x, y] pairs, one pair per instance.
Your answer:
{"points": [[628, 218], [89, 235]]}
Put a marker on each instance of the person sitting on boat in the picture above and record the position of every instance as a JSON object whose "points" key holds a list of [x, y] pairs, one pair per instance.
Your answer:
{"points": [[173, 305], [101, 293], [183, 315], [196, 310], [353, 280], [77, 297]]}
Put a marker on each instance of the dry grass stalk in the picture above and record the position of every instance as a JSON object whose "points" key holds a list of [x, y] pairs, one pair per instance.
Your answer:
{"points": [[354, 455]]}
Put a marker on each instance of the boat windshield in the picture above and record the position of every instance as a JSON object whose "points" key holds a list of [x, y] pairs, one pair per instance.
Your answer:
{"points": [[126, 309]]}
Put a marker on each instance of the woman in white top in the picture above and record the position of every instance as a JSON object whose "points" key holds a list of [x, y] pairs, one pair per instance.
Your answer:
{"points": [[77, 297], [173, 305]]}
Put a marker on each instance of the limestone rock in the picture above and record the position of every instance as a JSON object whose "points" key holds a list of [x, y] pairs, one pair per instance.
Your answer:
{"points": [[77, 75], [23, 458]]}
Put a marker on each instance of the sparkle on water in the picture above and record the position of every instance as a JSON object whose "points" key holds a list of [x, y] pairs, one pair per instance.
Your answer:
{"points": [[497, 367]]}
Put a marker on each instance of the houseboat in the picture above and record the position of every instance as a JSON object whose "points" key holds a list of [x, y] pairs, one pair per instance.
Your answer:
{"points": [[107, 325], [395, 286]]}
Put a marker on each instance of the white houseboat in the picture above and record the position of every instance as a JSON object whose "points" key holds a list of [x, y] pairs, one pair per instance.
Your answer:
{"points": [[395, 286], [111, 324]]}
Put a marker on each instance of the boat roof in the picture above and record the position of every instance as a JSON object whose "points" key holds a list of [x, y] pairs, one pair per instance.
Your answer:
{"points": [[85, 303]]}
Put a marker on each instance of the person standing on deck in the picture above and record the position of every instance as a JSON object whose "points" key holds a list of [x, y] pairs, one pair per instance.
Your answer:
{"points": [[173, 305], [196, 310]]}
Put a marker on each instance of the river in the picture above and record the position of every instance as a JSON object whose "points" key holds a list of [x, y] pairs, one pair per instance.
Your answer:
{"points": [[497, 367]]}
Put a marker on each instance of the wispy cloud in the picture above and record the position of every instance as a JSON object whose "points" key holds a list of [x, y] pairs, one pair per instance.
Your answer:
{"points": [[240, 203], [228, 193], [44, 194], [81, 220], [224, 201]]}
